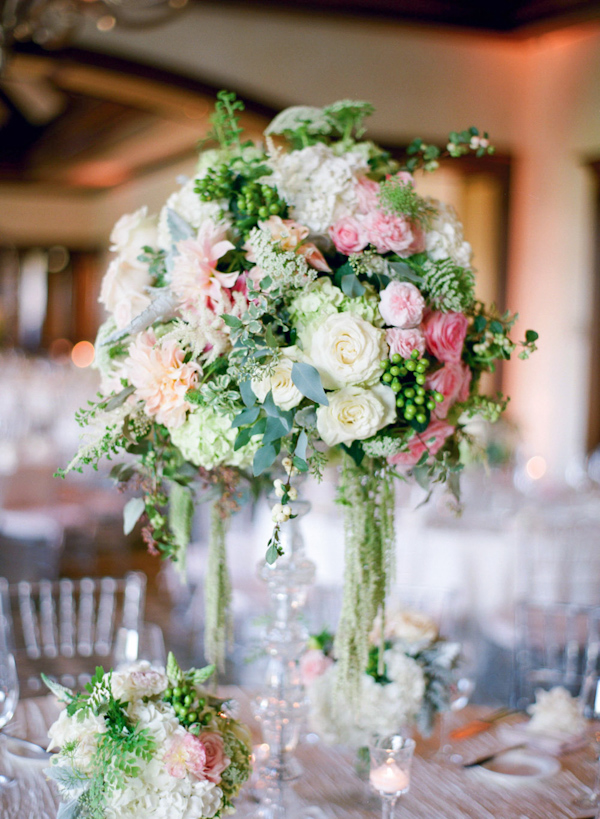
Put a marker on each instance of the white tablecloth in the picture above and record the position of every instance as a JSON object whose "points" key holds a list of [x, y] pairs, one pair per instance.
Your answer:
{"points": [[330, 782]]}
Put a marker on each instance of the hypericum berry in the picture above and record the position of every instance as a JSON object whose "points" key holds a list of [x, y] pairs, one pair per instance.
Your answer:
{"points": [[410, 365], [420, 418], [395, 385], [387, 377], [395, 370], [419, 378], [396, 358], [414, 354]]}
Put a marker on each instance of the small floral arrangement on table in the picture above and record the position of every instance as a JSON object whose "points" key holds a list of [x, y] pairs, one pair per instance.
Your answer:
{"points": [[293, 298], [146, 744], [405, 683]]}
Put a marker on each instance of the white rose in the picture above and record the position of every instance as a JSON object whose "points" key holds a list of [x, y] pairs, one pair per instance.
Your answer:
{"points": [[355, 413], [133, 232], [346, 350], [409, 626], [285, 394], [123, 290]]}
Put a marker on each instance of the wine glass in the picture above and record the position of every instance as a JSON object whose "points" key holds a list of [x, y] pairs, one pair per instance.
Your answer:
{"points": [[391, 758], [590, 703], [462, 685], [9, 682]]}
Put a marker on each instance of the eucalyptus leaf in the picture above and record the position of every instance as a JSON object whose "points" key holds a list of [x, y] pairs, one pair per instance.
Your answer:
{"points": [[307, 379], [301, 445], [272, 554], [274, 430], [351, 286], [247, 416], [119, 399], [263, 459], [247, 393], [132, 512], [400, 271], [306, 417]]}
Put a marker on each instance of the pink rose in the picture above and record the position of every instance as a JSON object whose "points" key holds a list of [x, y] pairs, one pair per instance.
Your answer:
{"points": [[367, 194], [185, 753], [404, 342], [389, 232], [432, 439], [453, 382], [401, 305], [349, 235], [313, 664], [216, 761], [403, 176], [445, 335]]}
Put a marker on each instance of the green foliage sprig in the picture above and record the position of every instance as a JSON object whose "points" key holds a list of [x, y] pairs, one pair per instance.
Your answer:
{"points": [[426, 156]]}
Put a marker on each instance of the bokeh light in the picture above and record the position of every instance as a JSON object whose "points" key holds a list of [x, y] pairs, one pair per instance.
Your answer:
{"points": [[82, 354]]}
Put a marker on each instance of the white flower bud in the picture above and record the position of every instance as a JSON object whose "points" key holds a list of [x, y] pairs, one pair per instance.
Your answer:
{"points": [[287, 511], [276, 511], [292, 493], [278, 484]]}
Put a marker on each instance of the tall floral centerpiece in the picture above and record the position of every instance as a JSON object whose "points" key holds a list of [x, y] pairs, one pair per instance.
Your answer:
{"points": [[291, 299]]}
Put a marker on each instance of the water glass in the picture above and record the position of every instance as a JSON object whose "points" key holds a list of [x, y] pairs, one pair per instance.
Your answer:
{"points": [[391, 759], [9, 681]]}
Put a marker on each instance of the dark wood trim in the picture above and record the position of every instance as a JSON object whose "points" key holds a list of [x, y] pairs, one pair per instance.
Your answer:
{"points": [[593, 429]]}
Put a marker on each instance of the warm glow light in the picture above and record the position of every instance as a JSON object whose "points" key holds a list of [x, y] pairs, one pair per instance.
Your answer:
{"points": [[99, 174], [106, 23], [536, 467], [82, 354]]}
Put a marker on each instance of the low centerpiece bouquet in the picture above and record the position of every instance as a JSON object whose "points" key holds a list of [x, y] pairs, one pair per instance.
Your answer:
{"points": [[290, 299], [409, 686], [145, 743]]}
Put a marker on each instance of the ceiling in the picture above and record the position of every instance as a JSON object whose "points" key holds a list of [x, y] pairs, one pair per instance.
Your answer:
{"points": [[498, 16], [84, 122]]}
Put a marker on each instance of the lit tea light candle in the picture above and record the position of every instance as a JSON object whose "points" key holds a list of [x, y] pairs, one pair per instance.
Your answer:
{"points": [[389, 778]]}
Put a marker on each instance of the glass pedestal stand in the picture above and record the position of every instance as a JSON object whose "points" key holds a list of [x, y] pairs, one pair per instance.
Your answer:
{"points": [[281, 707]]}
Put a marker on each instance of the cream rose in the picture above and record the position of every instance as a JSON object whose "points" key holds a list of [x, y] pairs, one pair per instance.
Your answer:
{"points": [[285, 394], [133, 232], [346, 350], [355, 413], [124, 290]]}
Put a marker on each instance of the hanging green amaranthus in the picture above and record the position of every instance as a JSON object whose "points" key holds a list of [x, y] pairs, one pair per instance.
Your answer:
{"points": [[217, 590], [367, 495]]}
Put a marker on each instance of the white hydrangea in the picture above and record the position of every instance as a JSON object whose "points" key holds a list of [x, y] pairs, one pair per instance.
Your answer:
{"points": [[155, 794], [445, 238], [207, 438], [84, 729], [318, 186], [556, 712], [383, 708], [187, 204]]}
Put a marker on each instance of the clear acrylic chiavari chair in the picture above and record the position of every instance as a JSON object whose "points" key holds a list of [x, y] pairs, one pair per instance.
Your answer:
{"points": [[66, 628]]}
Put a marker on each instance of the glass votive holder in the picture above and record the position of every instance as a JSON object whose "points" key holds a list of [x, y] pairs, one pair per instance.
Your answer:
{"points": [[391, 759]]}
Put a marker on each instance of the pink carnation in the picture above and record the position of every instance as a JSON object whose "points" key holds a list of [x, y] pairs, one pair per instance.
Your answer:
{"points": [[389, 232], [401, 305], [445, 335], [453, 382], [404, 342], [431, 440], [313, 664], [186, 754], [161, 377], [367, 194], [216, 761], [349, 235]]}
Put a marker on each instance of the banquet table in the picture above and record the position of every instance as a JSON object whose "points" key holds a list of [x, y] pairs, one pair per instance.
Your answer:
{"points": [[331, 784]]}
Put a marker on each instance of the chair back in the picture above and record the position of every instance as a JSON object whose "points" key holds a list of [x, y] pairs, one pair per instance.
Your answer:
{"points": [[557, 644], [67, 627]]}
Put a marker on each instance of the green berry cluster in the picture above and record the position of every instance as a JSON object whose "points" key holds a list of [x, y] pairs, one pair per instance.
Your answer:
{"points": [[217, 184], [190, 708], [406, 377], [260, 201]]}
